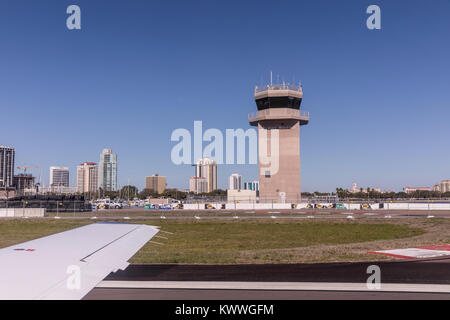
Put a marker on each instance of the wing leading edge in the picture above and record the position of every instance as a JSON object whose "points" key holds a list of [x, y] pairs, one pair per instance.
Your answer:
{"points": [[69, 264]]}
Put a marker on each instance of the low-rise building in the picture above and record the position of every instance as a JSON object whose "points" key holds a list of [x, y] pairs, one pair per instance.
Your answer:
{"points": [[241, 196], [159, 201], [7, 192], [57, 190], [198, 185], [415, 189], [254, 186]]}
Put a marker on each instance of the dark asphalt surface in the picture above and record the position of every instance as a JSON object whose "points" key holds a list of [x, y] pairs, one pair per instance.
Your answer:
{"points": [[141, 213], [407, 272], [174, 294], [411, 272]]}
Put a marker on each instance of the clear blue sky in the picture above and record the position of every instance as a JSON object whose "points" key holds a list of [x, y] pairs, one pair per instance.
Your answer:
{"points": [[379, 100]]}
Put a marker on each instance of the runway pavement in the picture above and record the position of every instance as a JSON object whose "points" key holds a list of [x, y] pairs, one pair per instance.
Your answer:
{"points": [[426, 279], [410, 271], [143, 214]]}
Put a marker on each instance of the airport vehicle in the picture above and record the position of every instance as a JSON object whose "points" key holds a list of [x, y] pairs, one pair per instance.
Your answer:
{"points": [[69, 264], [108, 204]]}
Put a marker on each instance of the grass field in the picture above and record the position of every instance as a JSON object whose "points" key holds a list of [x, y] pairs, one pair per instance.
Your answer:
{"points": [[258, 241]]}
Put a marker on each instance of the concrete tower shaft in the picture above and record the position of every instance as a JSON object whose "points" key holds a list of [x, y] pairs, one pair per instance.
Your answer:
{"points": [[278, 120]]}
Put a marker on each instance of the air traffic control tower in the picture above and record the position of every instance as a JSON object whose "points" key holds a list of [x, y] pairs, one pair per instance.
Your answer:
{"points": [[278, 120]]}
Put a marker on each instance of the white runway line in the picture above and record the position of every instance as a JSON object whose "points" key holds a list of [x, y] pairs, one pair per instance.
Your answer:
{"points": [[299, 286]]}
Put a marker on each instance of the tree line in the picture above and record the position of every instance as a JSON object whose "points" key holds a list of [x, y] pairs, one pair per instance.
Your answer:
{"points": [[372, 194]]}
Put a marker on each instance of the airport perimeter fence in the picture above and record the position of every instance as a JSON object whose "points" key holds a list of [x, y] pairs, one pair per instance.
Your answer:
{"points": [[341, 205], [51, 205]]}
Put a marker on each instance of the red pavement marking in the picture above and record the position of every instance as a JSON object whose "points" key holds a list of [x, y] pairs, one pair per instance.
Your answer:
{"points": [[392, 255], [445, 247]]}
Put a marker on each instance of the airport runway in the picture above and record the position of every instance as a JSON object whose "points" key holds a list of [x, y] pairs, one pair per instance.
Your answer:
{"points": [[143, 214], [288, 213], [426, 279]]}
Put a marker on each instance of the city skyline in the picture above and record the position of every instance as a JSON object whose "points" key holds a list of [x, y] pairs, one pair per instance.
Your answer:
{"points": [[441, 185], [367, 125]]}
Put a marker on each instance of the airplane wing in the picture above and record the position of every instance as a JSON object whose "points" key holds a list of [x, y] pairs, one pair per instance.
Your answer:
{"points": [[67, 265]]}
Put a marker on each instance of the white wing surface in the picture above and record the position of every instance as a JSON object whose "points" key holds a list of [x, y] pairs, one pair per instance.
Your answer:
{"points": [[68, 265]]}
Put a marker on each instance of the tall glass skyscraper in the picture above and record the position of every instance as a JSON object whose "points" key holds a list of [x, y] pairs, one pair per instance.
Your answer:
{"points": [[7, 166], [107, 171]]}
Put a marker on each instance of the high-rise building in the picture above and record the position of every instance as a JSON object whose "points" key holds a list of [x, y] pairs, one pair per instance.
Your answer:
{"points": [[198, 185], [155, 183], [107, 171], [235, 182], [445, 186], [278, 120], [24, 182], [7, 157], [59, 177], [207, 168], [87, 177]]}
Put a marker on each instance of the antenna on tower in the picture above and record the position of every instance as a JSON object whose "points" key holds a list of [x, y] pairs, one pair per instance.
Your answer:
{"points": [[270, 78]]}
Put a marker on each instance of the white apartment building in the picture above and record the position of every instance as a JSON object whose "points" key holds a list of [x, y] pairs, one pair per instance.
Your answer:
{"points": [[198, 185], [445, 186], [207, 168], [235, 182], [59, 176], [87, 177]]}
